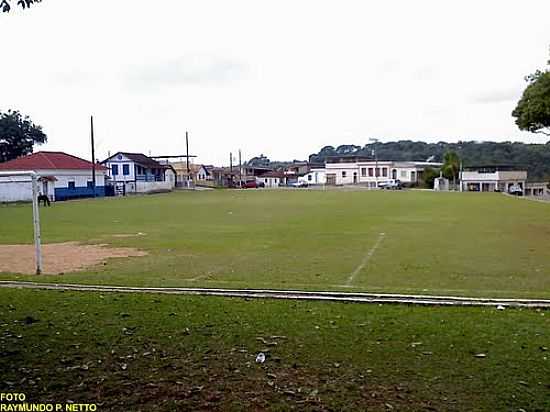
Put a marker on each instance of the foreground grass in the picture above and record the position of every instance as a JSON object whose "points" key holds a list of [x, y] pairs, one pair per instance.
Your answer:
{"points": [[443, 243], [148, 352]]}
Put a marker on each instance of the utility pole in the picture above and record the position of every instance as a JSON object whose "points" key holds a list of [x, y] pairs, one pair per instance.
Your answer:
{"points": [[93, 152], [240, 171], [231, 168], [376, 169], [187, 156]]}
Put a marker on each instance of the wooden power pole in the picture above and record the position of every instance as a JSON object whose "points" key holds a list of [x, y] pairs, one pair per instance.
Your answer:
{"points": [[240, 171], [93, 152], [187, 157]]}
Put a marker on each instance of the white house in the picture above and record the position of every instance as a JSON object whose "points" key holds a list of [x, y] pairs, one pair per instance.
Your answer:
{"points": [[492, 178], [137, 173], [271, 179], [350, 170], [61, 176], [203, 174], [316, 176]]}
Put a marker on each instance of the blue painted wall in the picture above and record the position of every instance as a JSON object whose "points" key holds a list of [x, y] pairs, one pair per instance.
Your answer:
{"points": [[78, 192]]}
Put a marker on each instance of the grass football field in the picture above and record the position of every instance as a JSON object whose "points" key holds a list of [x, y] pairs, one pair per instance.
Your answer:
{"points": [[414, 242], [165, 353], [173, 353]]}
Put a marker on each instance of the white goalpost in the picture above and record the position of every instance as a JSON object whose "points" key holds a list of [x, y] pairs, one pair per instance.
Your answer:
{"points": [[35, 211]]}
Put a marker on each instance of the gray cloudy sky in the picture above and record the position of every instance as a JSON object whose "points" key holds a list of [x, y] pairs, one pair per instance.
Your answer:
{"points": [[283, 78]]}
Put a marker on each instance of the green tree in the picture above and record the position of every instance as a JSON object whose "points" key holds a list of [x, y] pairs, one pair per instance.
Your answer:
{"points": [[451, 166], [428, 177], [18, 135], [5, 5], [532, 112]]}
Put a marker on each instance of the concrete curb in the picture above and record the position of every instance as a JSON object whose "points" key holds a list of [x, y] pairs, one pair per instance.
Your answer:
{"points": [[351, 297]]}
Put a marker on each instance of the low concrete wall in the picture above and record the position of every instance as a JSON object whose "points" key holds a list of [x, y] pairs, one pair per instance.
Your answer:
{"points": [[15, 189], [148, 187]]}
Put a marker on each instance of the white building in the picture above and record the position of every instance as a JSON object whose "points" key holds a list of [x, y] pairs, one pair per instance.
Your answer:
{"points": [[137, 173], [363, 171], [316, 176], [492, 179], [441, 184], [537, 189], [61, 176], [271, 179]]}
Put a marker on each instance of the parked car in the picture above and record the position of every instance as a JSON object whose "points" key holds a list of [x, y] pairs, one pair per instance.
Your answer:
{"points": [[392, 184], [249, 184], [300, 183], [516, 191]]}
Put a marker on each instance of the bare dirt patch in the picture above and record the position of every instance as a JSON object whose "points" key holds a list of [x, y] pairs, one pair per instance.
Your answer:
{"points": [[60, 257]]}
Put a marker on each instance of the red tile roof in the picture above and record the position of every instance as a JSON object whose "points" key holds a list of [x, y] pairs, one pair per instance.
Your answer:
{"points": [[49, 161]]}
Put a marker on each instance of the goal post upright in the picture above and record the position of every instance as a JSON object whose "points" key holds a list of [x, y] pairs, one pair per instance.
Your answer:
{"points": [[35, 214]]}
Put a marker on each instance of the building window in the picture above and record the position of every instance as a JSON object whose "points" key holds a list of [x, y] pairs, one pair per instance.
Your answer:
{"points": [[125, 170], [377, 172], [385, 171], [403, 173], [309, 177], [363, 172], [343, 175], [371, 172], [114, 170], [90, 184], [71, 185]]}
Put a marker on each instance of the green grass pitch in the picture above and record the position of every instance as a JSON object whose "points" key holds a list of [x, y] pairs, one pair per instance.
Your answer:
{"points": [[412, 241]]}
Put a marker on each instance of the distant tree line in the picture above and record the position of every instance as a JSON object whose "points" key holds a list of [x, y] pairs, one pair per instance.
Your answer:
{"points": [[535, 158]]}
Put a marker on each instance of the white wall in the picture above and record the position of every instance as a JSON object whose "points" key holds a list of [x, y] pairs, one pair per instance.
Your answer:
{"points": [[16, 188], [474, 176], [19, 188], [339, 169], [405, 171], [314, 177], [147, 187], [80, 177], [269, 181], [120, 177], [170, 178]]}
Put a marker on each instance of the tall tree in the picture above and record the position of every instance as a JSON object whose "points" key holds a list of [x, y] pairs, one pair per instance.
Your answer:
{"points": [[451, 166], [18, 135], [532, 112], [429, 176], [5, 5]]}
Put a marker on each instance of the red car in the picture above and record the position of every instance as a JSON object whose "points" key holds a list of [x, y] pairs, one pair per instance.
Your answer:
{"points": [[249, 184]]}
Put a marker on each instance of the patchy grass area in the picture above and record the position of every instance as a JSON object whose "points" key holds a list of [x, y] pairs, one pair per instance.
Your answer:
{"points": [[442, 243], [149, 352]]}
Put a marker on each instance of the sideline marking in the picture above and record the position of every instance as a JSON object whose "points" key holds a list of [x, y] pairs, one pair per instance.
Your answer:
{"points": [[355, 297], [366, 259]]}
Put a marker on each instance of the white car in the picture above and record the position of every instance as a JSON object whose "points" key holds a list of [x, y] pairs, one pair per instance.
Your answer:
{"points": [[299, 183], [393, 184]]}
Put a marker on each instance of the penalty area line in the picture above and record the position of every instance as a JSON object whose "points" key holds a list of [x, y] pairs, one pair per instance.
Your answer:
{"points": [[365, 260]]}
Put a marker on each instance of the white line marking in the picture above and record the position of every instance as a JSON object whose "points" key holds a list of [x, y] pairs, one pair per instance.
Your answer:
{"points": [[366, 259]]}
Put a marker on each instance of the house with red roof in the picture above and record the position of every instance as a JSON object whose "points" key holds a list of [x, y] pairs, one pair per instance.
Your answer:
{"points": [[61, 176]]}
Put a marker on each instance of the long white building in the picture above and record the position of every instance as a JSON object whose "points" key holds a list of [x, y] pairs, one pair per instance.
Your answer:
{"points": [[353, 170], [493, 178]]}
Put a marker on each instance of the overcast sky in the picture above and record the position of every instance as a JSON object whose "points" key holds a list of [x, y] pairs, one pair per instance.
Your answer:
{"points": [[282, 78]]}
